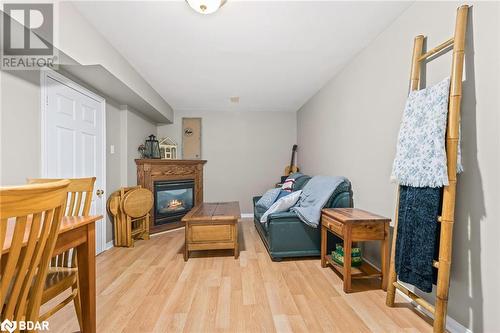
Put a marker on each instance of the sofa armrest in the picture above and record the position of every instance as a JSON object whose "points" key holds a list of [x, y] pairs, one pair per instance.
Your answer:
{"points": [[340, 195], [342, 200], [255, 199]]}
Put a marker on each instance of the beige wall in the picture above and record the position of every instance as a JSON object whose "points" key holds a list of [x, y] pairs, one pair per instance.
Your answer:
{"points": [[246, 151], [20, 127], [136, 129], [350, 128], [114, 167]]}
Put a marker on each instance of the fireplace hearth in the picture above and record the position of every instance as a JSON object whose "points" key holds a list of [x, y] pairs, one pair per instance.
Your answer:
{"points": [[173, 199]]}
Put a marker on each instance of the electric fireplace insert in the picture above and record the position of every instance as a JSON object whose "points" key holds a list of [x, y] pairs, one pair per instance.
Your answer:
{"points": [[173, 200]]}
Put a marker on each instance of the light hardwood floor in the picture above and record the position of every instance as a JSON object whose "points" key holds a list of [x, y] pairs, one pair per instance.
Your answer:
{"points": [[150, 288]]}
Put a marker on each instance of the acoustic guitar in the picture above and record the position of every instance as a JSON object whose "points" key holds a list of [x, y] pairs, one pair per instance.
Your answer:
{"points": [[292, 168]]}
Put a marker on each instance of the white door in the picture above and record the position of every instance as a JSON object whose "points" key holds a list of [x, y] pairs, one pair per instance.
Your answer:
{"points": [[73, 139]]}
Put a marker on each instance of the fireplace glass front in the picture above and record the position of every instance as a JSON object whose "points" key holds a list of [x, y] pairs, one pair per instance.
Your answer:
{"points": [[173, 199]]}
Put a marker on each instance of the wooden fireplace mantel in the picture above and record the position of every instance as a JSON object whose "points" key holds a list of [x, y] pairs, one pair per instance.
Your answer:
{"points": [[151, 170]]}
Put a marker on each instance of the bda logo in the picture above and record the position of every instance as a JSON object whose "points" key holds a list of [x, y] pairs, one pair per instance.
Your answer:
{"points": [[8, 326]]}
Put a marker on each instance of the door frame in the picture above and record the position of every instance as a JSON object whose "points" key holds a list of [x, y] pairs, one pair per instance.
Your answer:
{"points": [[45, 74]]}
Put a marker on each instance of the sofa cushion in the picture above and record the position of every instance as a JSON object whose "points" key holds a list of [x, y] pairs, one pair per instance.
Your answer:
{"points": [[259, 210], [300, 182]]}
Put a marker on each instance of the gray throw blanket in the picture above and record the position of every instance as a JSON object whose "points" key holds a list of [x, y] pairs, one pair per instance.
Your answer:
{"points": [[314, 197]]}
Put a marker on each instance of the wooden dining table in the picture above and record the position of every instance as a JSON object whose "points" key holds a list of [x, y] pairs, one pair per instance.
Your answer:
{"points": [[75, 232]]}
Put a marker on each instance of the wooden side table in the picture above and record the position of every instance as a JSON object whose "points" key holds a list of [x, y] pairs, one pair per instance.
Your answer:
{"points": [[355, 225]]}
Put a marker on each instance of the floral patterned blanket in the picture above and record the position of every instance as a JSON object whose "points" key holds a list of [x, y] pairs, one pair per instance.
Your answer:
{"points": [[421, 155]]}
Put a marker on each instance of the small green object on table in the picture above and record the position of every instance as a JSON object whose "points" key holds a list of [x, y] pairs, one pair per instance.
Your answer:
{"points": [[355, 251], [338, 256]]}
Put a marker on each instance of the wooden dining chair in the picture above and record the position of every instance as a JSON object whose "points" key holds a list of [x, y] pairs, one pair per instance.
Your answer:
{"points": [[63, 271], [30, 218]]}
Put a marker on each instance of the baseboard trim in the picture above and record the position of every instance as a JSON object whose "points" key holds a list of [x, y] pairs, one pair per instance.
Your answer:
{"points": [[452, 325], [109, 245], [246, 215]]}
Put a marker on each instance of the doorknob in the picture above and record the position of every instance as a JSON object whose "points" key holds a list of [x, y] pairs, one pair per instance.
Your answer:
{"points": [[99, 193]]}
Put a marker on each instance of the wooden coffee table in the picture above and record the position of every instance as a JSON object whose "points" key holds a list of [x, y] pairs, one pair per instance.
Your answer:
{"points": [[212, 226]]}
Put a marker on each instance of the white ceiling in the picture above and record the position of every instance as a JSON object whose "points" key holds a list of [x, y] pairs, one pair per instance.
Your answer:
{"points": [[273, 55]]}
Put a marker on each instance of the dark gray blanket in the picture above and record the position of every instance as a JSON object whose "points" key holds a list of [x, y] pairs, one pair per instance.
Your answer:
{"points": [[417, 237]]}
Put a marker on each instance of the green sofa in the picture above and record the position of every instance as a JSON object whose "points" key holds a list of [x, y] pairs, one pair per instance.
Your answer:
{"points": [[285, 235]]}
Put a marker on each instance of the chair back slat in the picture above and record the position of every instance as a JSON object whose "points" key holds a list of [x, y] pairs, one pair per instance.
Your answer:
{"points": [[71, 206], [79, 199], [3, 232], [24, 261], [30, 217], [35, 302], [87, 202], [78, 203], [78, 189], [9, 270]]}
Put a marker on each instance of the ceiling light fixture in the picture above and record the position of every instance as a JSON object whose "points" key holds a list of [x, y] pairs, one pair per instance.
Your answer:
{"points": [[206, 6]]}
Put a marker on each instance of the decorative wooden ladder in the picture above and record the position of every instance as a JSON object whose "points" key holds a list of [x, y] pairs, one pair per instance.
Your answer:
{"points": [[448, 205]]}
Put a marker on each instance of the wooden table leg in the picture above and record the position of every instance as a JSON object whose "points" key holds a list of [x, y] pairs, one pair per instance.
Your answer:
{"points": [[384, 251], [236, 244], [86, 280], [324, 237], [347, 259], [186, 253], [145, 222], [130, 241]]}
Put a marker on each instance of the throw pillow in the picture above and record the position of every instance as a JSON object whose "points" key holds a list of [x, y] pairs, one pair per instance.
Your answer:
{"points": [[282, 205], [288, 185], [268, 198], [282, 194]]}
